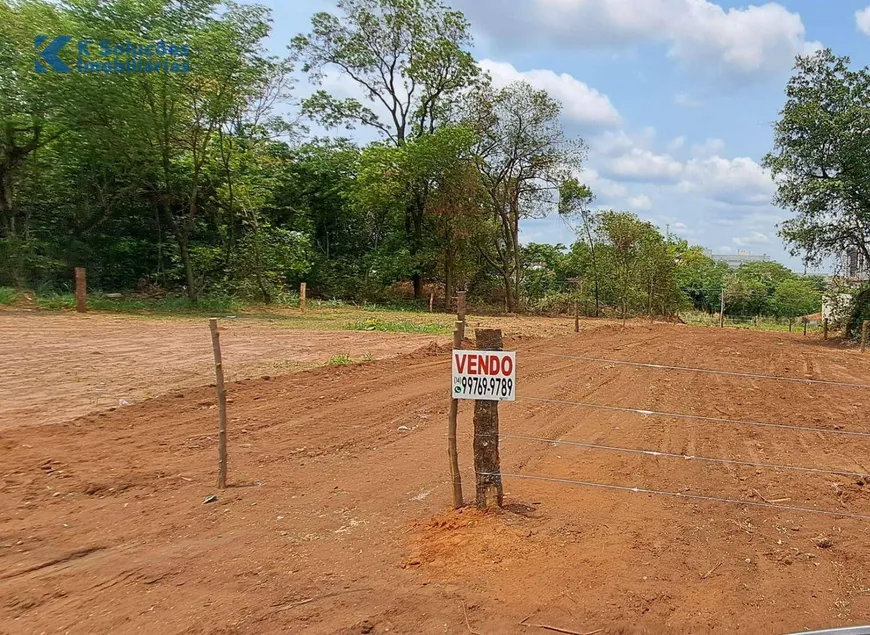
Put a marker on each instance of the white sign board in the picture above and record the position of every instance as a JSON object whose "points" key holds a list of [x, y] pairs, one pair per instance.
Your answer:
{"points": [[485, 375]]}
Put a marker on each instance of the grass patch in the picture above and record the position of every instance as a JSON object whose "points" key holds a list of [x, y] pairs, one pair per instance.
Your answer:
{"points": [[764, 323], [132, 304], [8, 295], [397, 326], [340, 360]]}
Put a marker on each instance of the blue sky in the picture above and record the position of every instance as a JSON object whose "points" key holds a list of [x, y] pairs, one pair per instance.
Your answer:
{"points": [[675, 98]]}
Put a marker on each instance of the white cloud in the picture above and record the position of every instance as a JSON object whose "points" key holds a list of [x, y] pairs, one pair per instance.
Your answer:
{"points": [[710, 147], [604, 189], [639, 164], [686, 101], [639, 203], [739, 181], [862, 20], [744, 41], [677, 144], [612, 143], [753, 238], [580, 102]]}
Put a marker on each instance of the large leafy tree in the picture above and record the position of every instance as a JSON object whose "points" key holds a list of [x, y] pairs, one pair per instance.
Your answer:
{"points": [[409, 60], [524, 158], [821, 157]]}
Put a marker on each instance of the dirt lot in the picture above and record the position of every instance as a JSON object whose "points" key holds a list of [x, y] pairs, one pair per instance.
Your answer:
{"points": [[63, 365], [337, 521]]}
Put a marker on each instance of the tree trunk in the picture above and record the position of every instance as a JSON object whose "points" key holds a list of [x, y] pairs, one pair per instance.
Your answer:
{"points": [[414, 224], [508, 291], [448, 277], [6, 209], [184, 252]]}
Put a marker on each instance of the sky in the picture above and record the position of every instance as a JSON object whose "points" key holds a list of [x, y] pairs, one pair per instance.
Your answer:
{"points": [[675, 99]]}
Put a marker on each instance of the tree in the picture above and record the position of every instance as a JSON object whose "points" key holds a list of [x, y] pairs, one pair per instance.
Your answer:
{"points": [[700, 277], [574, 202], [625, 237], [409, 58], [795, 297], [524, 158], [820, 157], [34, 112]]}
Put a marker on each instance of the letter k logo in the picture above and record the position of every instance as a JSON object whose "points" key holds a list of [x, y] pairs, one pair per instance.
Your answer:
{"points": [[49, 55]]}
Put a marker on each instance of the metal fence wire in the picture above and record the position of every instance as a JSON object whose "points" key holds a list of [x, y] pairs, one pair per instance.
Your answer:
{"points": [[685, 457]]}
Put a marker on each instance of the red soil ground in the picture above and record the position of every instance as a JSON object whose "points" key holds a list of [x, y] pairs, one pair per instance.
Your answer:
{"points": [[338, 519]]}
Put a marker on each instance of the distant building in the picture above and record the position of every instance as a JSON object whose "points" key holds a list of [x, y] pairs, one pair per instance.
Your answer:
{"points": [[854, 265], [735, 260]]}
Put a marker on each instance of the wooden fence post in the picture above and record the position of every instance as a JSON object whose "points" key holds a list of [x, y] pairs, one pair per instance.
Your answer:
{"points": [[303, 287], [461, 312], [722, 309], [864, 335], [431, 300], [81, 290], [806, 322], [452, 451], [487, 465], [825, 322], [222, 404]]}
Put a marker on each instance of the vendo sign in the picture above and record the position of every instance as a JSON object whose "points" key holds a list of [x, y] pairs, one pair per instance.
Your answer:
{"points": [[485, 375]]}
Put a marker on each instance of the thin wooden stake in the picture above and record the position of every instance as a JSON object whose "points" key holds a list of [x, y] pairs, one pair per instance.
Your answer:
{"points": [[303, 287], [825, 321], [864, 334], [431, 300], [222, 404], [576, 316], [487, 464], [452, 451], [81, 290]]}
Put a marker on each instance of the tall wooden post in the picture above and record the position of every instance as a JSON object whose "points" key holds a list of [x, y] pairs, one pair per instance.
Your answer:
{"points": [[461, 309], [790, 323], [806, 321], [825, 322], [865, 333], [487, 464], [81, 290], [452, 451], [431, 300], [303, 288], [222, 404], [722, 309]]}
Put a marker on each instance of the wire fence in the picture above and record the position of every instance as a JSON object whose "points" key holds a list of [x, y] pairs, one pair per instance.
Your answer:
{"points": [[690, 458]]}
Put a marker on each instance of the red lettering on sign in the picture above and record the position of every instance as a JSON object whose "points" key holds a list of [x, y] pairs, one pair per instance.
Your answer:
{"points": [[507, 366], [490, 365], [460, 362], [483, 364]]}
